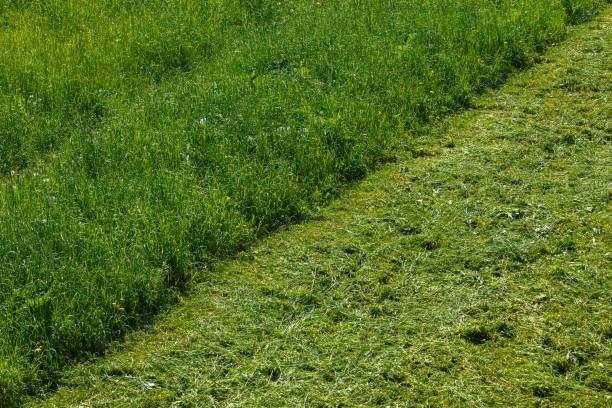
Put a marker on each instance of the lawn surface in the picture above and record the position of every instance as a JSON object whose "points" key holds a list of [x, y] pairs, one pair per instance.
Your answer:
{"points": [[473, 271], [142, 141]]}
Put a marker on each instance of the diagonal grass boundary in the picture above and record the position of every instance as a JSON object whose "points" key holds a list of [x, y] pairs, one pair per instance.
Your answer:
{"points": [[125, 172], [477, 274]]}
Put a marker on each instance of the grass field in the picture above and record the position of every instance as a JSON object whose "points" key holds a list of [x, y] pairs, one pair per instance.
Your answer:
{"points": [[475, 275], [141, 140]]}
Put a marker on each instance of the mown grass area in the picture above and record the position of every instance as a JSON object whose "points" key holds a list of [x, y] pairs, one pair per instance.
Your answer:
{"points": [[475, 275], [139, 140]]}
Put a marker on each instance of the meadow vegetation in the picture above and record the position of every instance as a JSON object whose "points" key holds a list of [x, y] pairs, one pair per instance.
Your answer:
{"points": [[141, 139], [474, 275]]}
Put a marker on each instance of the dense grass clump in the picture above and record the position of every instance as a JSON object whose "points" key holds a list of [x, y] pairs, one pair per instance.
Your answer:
{"points": [[140, 139]]}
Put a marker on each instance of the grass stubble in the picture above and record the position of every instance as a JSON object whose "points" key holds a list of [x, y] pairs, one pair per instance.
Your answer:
{"points": [[142, 142], [474, 271]]}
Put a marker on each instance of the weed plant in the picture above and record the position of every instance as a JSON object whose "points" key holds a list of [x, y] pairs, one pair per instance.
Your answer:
{"points": [[140, 139]]}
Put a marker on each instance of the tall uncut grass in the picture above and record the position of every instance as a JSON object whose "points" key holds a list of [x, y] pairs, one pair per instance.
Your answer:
{"points": [[140, 139]]}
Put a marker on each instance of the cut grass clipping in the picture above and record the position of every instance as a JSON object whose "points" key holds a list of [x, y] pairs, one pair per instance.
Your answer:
{"points": [[140, 139], [476, 275]]}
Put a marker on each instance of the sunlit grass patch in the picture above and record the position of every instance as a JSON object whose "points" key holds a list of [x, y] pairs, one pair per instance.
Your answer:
{"points": [[126, 126]]}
